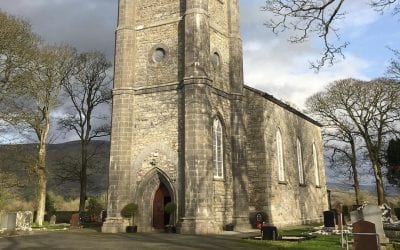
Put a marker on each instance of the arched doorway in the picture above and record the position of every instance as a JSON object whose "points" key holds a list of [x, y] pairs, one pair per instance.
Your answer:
{"points": [[161, 198]]}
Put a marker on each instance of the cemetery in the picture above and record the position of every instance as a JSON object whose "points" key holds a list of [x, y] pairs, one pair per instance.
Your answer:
{"points": [[366, 227]]}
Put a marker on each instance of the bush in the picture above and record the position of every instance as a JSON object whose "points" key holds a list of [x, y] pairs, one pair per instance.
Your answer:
{"points": [[49, 206], [129, 211], [170, 208], [94, 208]]}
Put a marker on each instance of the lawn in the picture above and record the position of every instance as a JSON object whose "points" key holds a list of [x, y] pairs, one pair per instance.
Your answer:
{"points": [[326, 242]]}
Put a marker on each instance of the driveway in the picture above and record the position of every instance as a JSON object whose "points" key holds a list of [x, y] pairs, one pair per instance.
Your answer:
{"points": [[90, 239]]}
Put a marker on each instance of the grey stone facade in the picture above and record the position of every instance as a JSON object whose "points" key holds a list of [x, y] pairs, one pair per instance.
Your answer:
{"points": [[178, 66]]}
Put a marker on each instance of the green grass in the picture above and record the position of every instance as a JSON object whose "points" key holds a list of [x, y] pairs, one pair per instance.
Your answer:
{"points": [[331, 242], [49, 226], [326, 242]]}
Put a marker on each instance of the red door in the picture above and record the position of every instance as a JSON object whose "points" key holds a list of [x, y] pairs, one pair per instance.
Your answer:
{"points": [[158, 207]]}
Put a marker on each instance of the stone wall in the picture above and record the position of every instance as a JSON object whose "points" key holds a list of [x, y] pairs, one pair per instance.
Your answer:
{"points": [[178, 66], [288, 202]]}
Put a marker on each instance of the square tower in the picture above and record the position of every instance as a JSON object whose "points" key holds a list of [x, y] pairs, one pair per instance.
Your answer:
{"points": [[178, 68]]}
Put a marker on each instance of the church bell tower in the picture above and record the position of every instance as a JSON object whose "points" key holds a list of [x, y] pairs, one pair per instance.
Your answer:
{"points": [[178, 66]]}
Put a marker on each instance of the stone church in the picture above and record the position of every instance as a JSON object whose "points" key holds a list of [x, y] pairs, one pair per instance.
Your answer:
{"points": [[186, 129]]}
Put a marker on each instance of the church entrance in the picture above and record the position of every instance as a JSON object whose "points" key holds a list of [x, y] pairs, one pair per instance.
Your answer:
{"points": [[161, 198]]}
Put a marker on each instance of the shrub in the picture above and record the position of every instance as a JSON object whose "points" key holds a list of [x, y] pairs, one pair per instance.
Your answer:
{"points": [[94, 208], [169, 209], [129, 211], [49, 205]]}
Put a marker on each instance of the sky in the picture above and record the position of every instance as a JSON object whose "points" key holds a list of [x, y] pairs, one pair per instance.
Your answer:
{"points": [[271, 63]]}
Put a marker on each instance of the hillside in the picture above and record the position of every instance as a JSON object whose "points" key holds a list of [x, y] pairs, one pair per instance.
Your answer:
{"points": [[18, 159], [62, 158]]}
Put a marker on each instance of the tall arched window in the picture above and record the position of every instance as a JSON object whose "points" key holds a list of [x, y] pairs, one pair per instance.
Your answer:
{"points": [[300, 162], [279, 156], [218, 149], [316, 167]]}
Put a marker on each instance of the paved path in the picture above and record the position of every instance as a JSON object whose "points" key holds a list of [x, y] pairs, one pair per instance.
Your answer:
{"points": [[88, 239]]}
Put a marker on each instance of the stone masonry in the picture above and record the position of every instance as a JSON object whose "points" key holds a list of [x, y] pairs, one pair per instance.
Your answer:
{"points": [[178, 67]]}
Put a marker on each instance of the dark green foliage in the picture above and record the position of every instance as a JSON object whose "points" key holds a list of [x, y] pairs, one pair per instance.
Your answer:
{"points": [[49, 205], [170, 208], [129, 210], [94, 207], [393, 160]]}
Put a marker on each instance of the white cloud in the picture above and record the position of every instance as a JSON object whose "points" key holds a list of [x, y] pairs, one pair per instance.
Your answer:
{"points": [[282, 69]]}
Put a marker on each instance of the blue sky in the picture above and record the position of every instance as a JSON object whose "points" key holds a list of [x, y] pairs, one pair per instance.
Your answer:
{"points": [[271, 63]]}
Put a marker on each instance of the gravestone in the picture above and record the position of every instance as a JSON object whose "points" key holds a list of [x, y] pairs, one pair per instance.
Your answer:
{"points": [[329, 219], [339, 215], [53, 219], [364, 236], [355, 216], [9, 221], [24, 220], [397, 212], [75, 221], [16, 221], [373, 213]]}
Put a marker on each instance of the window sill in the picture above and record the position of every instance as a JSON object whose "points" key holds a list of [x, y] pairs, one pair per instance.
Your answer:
{"points": [[283, 182], [219, 178], [302, 185], [317, 186]]}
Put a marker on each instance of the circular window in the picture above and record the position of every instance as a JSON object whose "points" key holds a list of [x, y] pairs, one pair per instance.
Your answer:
{"points": [[215, 59], [159, 55]]}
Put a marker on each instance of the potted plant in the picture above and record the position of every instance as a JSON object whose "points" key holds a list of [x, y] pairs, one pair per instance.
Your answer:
{"points": [[129, 212], [169, 209]]}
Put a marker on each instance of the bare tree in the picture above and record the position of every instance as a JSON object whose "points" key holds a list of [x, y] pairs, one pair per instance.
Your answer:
{"points": [[393, 70], [372, 110], [89, 90], [31, 102], [309, 17], [339, 136]]}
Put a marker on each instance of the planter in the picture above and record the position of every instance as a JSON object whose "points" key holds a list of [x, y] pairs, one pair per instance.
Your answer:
{"points": [[170, 229], [131, 229]]}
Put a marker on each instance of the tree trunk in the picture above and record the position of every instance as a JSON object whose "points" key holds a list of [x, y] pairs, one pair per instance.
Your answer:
{"points": [[380, 190], [42, 180], [355, 172], [83, 179]]}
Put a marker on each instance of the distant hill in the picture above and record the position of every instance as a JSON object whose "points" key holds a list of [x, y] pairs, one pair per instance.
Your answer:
{"points": [[389, 190], [61, 158]]}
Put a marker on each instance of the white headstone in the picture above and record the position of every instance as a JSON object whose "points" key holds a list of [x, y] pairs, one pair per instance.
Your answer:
{"points": [[373, 213]]}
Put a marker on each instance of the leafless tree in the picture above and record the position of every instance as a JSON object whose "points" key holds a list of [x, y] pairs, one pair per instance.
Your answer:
{"points": [[393, 70], [315, 17], [339, 137], [89, 90], [371, 108], [34, 95]]}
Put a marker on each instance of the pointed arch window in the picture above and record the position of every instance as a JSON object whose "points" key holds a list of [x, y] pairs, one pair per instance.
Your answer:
{"points": [[279, 157], [316, 166], [218, 149], [300, 162]]}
